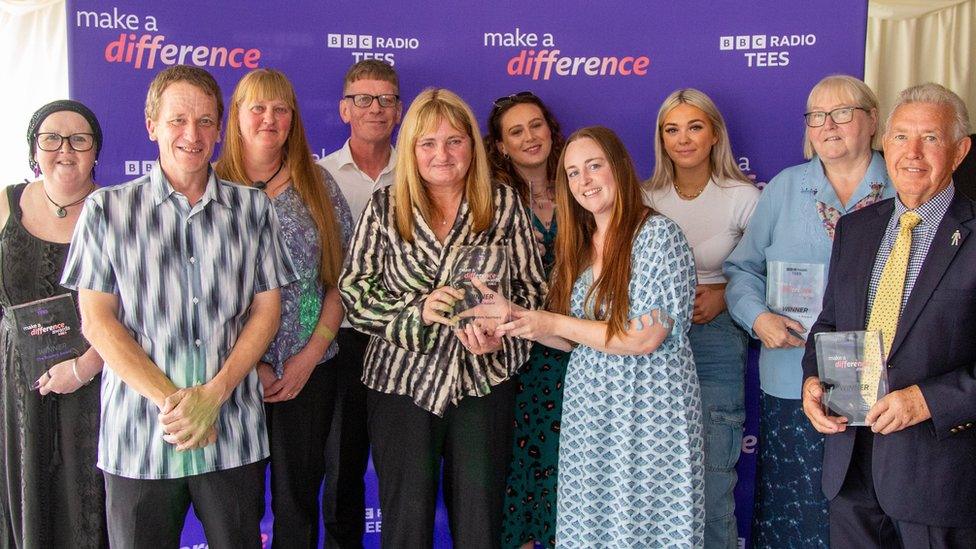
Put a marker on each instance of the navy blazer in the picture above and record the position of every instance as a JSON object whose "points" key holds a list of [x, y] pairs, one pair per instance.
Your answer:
{"points": [[926, 473]]}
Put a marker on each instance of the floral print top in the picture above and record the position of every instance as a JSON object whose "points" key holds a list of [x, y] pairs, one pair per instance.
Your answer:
{"points": [[301, 301]]}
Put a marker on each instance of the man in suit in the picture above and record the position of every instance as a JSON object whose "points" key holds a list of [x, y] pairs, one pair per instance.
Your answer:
{"points": [[907, 267]]}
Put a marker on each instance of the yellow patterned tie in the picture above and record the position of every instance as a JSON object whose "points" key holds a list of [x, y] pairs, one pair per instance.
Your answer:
{"points": [[886, 307]]}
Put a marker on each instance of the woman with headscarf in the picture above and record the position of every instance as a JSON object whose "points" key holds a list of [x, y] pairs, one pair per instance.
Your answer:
{"points": [[51, 493]]}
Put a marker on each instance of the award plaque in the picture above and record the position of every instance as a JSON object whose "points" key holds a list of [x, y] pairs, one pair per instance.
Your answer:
{"points": [[795, 290], [852, 371], [490, 265], [47, 332]]}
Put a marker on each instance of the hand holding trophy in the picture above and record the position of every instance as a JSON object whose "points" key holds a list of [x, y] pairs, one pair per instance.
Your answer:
{"points": [[480, 276]]}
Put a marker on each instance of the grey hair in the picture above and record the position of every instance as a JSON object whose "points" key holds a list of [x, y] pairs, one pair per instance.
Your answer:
{"points": [[860, 93], [935, 94]]}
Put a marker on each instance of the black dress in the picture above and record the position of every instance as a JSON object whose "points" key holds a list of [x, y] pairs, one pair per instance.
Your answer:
{"points": [[51, 493]]}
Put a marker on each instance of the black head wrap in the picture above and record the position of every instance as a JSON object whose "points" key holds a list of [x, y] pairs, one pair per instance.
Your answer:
{"points": [[57, 106]]}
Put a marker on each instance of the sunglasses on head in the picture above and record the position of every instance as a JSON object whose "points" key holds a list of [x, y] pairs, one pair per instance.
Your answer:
{"points": [[513, 98]]}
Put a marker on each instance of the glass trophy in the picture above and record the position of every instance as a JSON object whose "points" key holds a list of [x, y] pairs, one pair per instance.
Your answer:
{"points": [[47, 332], [795, 290], [852, 371], [481, 273]]}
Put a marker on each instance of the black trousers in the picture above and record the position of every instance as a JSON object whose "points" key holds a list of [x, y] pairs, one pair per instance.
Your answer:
{"points": [[474, 440], [347, 450], [148, 514], [297, 430], [857, 520]]}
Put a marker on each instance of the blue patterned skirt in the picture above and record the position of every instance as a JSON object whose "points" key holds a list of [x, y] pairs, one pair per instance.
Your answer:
{"points": [[790, 508]]}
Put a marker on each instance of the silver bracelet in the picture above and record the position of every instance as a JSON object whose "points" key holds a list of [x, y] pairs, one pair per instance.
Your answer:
{"points": [[74, 370]]}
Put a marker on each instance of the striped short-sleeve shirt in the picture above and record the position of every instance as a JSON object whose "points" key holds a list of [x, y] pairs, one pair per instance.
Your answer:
{"points": [[185, 277]]}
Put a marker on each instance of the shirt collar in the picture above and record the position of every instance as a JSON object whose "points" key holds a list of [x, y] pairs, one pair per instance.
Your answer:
{"points": [[162, 190], [876, 174], [345, 159], [933, 210]]}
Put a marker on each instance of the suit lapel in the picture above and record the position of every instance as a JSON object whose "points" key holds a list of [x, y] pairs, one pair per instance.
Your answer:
{"points": [[869, 236], [940, 256]]}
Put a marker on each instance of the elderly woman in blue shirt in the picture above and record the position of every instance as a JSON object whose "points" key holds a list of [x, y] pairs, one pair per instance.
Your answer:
{"points": [[783, 254]]}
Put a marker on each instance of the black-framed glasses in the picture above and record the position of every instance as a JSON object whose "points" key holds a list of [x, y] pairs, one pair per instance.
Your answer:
{"points": [[51, 142], [513, 98], [364, 100], [840, 115]]}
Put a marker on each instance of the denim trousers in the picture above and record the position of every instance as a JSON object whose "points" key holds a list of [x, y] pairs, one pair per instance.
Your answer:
{"points": [[720, 356]]}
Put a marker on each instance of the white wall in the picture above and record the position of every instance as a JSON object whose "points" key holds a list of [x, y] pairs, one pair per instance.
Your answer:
{"points": [[33, 71]]}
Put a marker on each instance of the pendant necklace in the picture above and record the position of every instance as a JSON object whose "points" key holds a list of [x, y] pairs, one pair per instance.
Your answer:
{"points": [[62, 210], [264, 184]]}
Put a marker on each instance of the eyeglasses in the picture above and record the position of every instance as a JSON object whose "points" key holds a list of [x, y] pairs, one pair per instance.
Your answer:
{"points": [[51, 142], [841, 115], [364, 100], [506, 100]]}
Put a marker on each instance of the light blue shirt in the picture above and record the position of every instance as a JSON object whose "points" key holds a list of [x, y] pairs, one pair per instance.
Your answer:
{"points": [[786, 226]]}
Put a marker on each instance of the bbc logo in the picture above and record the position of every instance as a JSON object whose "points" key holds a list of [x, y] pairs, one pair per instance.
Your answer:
{"points": [[742, 42], [138, 167], [349, 41]]}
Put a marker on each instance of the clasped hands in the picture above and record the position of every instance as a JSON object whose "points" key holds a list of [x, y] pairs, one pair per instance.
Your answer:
{"points": [[188, 417], [479, 336], [484, 333], [895, 411]]}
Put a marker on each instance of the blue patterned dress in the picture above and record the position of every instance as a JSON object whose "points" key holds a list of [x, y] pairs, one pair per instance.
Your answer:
{"points": [[631, 450]]}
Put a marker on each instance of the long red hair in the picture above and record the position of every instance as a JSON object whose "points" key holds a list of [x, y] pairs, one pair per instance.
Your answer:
{"points": [[608, 298]]}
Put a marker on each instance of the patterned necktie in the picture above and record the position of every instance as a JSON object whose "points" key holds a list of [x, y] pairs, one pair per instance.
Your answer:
{"points": [[886, 307]]}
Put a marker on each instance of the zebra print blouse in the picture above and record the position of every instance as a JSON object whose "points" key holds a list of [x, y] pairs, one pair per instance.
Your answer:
{"points": [[385, 281]]}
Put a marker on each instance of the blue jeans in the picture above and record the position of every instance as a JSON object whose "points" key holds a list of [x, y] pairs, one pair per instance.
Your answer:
{"points": [[720, 358]]}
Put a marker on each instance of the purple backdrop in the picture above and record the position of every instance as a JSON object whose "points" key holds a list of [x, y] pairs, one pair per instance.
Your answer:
{"points": [[592, 65]]}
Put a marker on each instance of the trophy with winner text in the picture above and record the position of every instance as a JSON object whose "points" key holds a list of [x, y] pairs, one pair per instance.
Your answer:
{"points": [[852, 371], [481, 273], [795, 290], [47, 332]]}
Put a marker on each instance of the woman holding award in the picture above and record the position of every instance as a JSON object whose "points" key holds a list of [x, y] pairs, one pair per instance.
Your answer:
{"points": [[51, 492], [524, 144], [438, 391], [697, 183], [630, 451], [781, 265], [266, 144]]}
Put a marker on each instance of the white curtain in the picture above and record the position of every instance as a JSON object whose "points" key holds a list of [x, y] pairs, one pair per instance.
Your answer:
{"points": [[34, 61], [915, 41]]}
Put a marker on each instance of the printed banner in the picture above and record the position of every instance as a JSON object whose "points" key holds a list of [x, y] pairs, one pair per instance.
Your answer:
{"points": [[591, 63]]}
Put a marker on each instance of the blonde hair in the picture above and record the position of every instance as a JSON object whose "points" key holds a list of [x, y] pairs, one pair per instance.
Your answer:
{"points": [[306, 178], [861, 95], [432, 106], [721, 162]]}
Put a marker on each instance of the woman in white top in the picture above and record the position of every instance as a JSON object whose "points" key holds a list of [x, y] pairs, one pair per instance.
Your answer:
{"points": [[697, 183]]}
